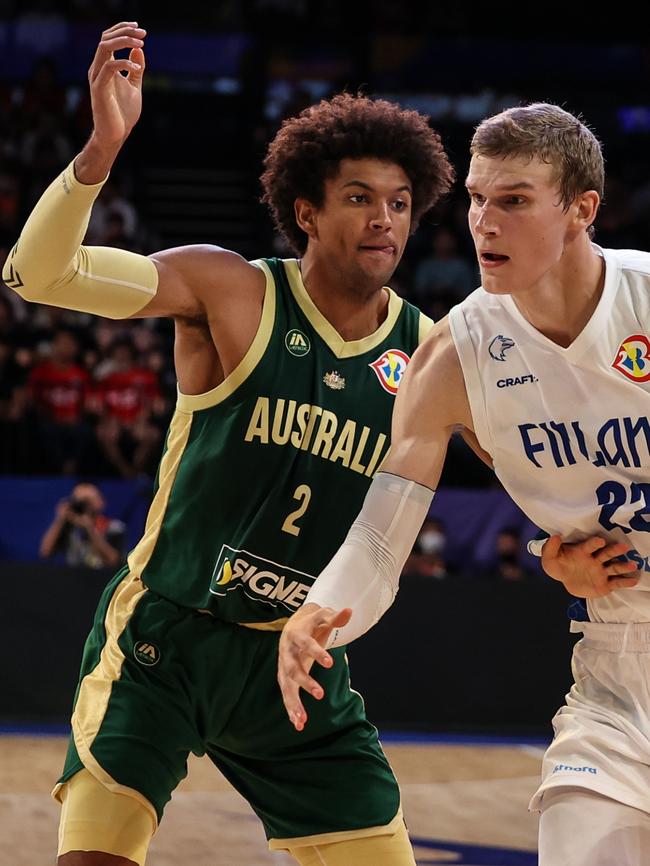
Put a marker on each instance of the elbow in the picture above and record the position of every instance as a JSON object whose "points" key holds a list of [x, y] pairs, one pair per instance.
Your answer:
{"points": [[22, 277], [12, 278]]}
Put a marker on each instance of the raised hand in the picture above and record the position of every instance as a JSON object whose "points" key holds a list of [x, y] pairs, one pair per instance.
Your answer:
{"points": [[117, 98], [589, 568]]}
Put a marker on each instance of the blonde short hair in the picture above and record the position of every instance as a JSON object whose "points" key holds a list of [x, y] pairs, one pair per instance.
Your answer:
{"points": [[551, 134]]}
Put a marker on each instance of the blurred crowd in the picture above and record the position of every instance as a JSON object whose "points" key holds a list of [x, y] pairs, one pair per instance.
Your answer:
{"points": [[507, 563], [81, 395]]}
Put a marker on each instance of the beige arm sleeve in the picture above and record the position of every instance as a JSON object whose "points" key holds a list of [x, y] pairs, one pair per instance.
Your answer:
{"points": [[48, 264]]}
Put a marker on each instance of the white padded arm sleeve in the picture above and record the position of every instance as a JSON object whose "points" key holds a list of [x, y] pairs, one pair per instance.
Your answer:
{"points": [[364, 573]]}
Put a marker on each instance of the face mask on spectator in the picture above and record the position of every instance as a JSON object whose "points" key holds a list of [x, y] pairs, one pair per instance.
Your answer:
{"points": [[431, 541]]}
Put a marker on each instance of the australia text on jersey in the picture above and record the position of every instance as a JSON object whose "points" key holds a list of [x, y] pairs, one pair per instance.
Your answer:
{"points": [[317, 430]]}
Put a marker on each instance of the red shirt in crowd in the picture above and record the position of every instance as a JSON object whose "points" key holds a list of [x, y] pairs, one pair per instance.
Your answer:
{"points": [[129, 394], [59, 392]]}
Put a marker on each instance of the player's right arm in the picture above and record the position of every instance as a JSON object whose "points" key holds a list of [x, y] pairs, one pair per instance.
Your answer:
{"points": [[49, 264]]}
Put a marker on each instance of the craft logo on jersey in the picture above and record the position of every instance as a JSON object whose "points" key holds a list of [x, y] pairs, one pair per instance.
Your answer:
{"points": [[499, 346], [146, 653], [390, 367], [297, 343], [633, 358], [259, 578]]}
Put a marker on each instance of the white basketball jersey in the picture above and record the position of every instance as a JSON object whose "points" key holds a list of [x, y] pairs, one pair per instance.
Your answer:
{"points": [[569, 429]]}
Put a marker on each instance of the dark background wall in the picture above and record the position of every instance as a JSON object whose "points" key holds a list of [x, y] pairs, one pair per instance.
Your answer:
{"points": [[452, 656]]}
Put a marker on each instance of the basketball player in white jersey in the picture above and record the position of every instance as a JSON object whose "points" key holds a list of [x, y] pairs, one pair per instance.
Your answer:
{"points": [[548, 362]]}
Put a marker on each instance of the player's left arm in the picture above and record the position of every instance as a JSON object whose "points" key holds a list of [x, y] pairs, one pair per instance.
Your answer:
{"points": [[361, 581]]}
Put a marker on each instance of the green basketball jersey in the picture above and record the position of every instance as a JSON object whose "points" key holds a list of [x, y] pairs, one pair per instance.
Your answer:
{"points": [[262, 477]]}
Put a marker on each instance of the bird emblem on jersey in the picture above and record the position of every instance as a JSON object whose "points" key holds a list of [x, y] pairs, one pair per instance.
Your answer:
{"points": [[633, 358], [390, 366], [499, 346], [334, 380]]}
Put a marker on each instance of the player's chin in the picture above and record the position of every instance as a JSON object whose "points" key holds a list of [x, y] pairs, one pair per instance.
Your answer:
{"points": [[495, 285], [378, 269]]}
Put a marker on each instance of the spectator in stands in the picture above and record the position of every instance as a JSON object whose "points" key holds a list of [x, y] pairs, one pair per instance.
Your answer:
{"points": [[45, 147], [508, 565], [43, 92], [58, 388], [83, 533], [127, 399], [114, 220], [427, 557], [9, 201], [443, 278]]}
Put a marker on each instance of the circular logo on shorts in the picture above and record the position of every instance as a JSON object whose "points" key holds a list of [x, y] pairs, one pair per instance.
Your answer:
{"points": [[297, 343], [146, 653]]}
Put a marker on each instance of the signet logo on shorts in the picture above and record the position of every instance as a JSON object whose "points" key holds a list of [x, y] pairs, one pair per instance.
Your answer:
{"points": [[297, 343], [146, 653]]}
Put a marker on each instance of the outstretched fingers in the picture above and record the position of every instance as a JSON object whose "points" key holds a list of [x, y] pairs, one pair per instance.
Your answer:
{"points": [[116, 38], [302, 644]]}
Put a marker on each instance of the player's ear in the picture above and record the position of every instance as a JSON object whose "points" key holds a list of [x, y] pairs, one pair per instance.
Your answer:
{"points": [[587, 204], [305, 214]]}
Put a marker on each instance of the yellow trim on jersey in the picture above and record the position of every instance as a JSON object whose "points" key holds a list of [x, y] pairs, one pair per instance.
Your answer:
{"points": [[179, 433], [340, 836], [274, 625], [192, 402], [424, 327], [95, 690], [325, 330]]}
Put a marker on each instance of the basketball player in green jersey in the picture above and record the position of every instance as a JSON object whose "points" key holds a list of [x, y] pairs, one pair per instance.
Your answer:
{"points": [[287, 372]]}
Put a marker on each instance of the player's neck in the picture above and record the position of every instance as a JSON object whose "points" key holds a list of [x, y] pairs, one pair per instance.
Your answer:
{"points": [[355, 311], [564, 301]]}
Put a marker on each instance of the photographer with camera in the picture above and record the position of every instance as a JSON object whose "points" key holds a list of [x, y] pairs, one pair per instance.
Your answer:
{"points": [[82, 532]]}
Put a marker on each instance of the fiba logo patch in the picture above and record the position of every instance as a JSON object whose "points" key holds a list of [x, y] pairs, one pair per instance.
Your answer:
{"points": [[633, 358], [297, 343], [146, 653], [389, 368]]}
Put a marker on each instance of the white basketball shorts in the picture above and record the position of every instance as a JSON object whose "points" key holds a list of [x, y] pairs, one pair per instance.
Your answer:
{"points": [[602, 734]]}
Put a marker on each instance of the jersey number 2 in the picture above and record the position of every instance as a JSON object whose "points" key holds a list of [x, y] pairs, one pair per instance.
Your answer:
{"points": [[303, 496]]}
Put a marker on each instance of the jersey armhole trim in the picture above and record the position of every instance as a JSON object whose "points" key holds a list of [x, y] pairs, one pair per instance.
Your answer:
{"points": [[193, 402], [468, 362], [424, 327]]}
